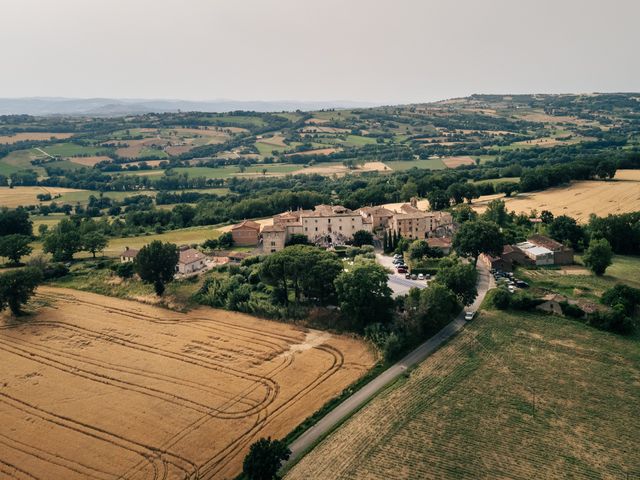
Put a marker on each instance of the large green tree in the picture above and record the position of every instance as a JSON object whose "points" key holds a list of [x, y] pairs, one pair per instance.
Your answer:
{"points": [[565, 229], [458, 277], [94, 242], [264, 459], [362, 237], [598, 256], [304, 270], [496, 212], [15, 221], [478, 236], [63, 241], [156, 264], [15, 246], [364, 294], [430, 309], [17, 286]]}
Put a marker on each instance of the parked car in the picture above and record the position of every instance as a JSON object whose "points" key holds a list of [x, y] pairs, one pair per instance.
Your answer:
{"points": [[521, 284], [427, 276], [468, 316], [511, 289], [402, 269], [421, 276], [414, 276], [408, 276]]}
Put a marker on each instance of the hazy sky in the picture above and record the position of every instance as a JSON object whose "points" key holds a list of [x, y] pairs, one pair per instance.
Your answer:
{"points": [[371, 50]]}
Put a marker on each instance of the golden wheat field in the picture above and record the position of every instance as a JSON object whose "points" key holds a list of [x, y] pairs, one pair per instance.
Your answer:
{"points": [[579, 199], [20, 196], [103, 388], [22, 136]]}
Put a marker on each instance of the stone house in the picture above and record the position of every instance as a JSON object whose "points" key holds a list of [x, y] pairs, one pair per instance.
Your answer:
{"points": [[246, 233], [129, 255]]}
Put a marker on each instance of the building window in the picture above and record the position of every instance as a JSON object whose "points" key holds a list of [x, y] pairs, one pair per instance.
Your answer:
{"points": [[273, 244], [340, 227], [316, 229]]}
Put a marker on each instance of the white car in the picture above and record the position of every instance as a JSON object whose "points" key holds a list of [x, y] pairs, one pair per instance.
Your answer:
{"points": [[468, 316], [420, 276], [511, 288]]}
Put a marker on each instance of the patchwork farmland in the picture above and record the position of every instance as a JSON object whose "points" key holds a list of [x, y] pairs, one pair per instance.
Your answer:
{"points": [[97, 387]]}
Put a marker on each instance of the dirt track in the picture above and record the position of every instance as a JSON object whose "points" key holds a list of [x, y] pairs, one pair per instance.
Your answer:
{"points": [[97, 387]]}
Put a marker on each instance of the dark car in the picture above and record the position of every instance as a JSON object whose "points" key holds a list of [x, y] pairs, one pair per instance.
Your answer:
{"points": [[402, 269], [521, 284], [408, 276]]}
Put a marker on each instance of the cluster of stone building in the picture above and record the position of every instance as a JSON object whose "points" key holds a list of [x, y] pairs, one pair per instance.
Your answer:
{"points": [[328, 225], [537, 250]]}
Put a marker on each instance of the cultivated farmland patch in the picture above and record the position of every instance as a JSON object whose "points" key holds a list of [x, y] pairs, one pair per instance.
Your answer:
{"points": [[97, 387]]}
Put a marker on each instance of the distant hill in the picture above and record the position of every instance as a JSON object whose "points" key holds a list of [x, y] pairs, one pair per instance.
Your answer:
{"points": [[114, 106]]}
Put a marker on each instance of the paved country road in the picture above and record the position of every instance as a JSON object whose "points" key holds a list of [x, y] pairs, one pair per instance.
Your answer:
{"points": [[398, 284], [309, 438]]}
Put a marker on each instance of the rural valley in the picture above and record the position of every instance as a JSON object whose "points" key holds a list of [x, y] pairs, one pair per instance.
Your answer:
{"points": [[280, 240]]}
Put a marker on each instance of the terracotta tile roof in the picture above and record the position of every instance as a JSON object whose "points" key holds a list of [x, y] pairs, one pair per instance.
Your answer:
{"points": [[190, 255], [129, 253], [546, 242], [444, 242], [247, 224], [273, 228]]}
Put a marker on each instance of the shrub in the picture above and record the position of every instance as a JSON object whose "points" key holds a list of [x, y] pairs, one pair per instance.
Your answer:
{"points": [[54, 270], [123, 270], [614, 320], [571, 310], [500, 298], [523, 301]]}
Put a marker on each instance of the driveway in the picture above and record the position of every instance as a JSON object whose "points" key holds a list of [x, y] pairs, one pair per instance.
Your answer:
{"points": [[309, 438], [397, 282]]}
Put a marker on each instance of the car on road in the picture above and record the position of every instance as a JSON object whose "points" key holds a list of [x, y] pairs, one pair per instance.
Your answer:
{"points": [[421, 276], [468, 315]]}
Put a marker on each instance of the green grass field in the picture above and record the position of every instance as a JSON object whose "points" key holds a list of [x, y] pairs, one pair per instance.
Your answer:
{"points": [[186, 236], [625, 269], [515, 396], [266, 150], [72, 150], [358, 141], [428, 164], [234, 171], [497, 181], [20, 160]]}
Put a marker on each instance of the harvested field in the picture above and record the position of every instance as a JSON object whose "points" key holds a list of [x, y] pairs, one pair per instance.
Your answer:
{"points": [[19, 137], [579, 199], [17, 196], [513, 396], [453, 162], [98, 387], [339, 169], [89, 161]]}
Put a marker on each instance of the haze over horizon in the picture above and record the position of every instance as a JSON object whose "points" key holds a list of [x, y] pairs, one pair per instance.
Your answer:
{"points": [[376, 52]]}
